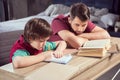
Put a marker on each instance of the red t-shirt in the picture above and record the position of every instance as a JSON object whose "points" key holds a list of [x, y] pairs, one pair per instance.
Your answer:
{"points": [[21, 44], [61, 23]]}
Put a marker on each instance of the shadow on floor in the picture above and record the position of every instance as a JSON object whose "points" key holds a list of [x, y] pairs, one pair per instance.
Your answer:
{"points": [[115, 34], [110, 74]]}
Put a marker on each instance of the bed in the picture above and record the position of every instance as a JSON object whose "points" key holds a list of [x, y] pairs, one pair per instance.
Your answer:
{"points": [[104, 13]]}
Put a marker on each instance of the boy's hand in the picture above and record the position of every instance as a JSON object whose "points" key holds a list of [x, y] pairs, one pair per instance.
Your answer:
{"points": [[58, 54], [48, 55]]}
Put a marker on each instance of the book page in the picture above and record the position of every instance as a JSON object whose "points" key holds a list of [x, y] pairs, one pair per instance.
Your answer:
{"points": [[97, 43]]}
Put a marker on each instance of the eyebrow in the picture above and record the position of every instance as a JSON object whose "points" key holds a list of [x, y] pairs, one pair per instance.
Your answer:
{"points": [[45, 39], [83, 24], [41, 39]]}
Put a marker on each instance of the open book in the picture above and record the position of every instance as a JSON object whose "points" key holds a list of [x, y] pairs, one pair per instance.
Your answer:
{"points": [[95, 48]]}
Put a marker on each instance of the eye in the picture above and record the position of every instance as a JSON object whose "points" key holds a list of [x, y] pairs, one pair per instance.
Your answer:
{"points": [[83, 25], [41, 40], [77, 25]]}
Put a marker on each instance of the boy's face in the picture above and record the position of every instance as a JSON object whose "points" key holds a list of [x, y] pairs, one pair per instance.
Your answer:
{"points": [[77, 25], [38, 43]]}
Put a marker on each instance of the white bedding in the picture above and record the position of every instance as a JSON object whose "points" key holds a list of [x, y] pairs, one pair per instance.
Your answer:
{"points": [[97, 15], [19, 24]]}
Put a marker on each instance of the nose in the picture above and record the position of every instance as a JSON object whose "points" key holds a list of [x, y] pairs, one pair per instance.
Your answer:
{"points": [[42, 43], [79, 29]]}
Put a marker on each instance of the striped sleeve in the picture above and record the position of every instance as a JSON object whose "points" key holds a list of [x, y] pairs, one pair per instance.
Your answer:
{"points": [[49, 46], [20, 53]]}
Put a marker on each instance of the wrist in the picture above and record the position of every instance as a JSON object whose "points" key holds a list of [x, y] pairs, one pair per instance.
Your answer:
{"points": [[41, 56], [58, 51]]}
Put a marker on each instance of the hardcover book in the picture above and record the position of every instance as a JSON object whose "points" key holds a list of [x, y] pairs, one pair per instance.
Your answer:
{"points": [[95, 48]]}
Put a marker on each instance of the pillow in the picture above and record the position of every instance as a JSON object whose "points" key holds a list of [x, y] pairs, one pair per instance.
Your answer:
{"points": [[100, 12], [94, 18], [98, 22], [49, 10], [92, 10], [109, 19], [55, 9]]}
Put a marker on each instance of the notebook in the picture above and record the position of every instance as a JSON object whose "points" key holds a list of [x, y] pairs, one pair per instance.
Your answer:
{"points": [[63, 60]]}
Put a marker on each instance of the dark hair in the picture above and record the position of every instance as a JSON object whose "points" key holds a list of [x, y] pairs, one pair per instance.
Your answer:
{"points": [[80, 10], [37, 28]]}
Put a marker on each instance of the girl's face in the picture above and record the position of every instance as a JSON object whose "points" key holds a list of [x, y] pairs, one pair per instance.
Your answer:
{"points": [[38, 43], [77, 25]]}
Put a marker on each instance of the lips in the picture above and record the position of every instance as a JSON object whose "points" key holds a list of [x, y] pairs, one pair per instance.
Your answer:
{"points": [[40, 48], [78, 32]]}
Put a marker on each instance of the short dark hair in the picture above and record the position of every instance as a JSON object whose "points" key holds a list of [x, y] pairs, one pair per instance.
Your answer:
{"points": [[37, 28], [80, 10]]}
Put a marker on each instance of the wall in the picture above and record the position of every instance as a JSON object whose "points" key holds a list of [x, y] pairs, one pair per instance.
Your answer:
{"points": [[23, 8], [2, 14], [18, 9], [37, 6]]}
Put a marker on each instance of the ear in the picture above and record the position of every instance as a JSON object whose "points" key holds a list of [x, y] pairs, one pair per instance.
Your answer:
{"points": [[69, 20]]}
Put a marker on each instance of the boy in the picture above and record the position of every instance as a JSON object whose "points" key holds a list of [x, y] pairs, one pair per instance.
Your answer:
{"points": [[77, 28], [32, 47]]}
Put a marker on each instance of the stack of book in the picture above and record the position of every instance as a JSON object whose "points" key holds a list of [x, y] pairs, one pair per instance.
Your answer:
{"points": [[95, 48]]}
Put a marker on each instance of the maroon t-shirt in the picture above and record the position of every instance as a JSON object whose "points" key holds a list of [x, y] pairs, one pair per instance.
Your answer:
{"points": [[61, 23]]}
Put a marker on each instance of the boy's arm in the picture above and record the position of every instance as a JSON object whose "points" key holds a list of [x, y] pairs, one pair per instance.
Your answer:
{"points": [[23, 61], [61, 46], [73, 40], [97, 33]]}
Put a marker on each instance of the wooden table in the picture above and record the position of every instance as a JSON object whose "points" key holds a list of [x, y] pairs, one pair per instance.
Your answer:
{"points": [[79, 68]]}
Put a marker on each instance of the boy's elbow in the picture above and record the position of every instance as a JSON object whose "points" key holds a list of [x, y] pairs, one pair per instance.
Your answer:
{"points": [[75, 45], [16, 62], [64, 44], [107, 35]]}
